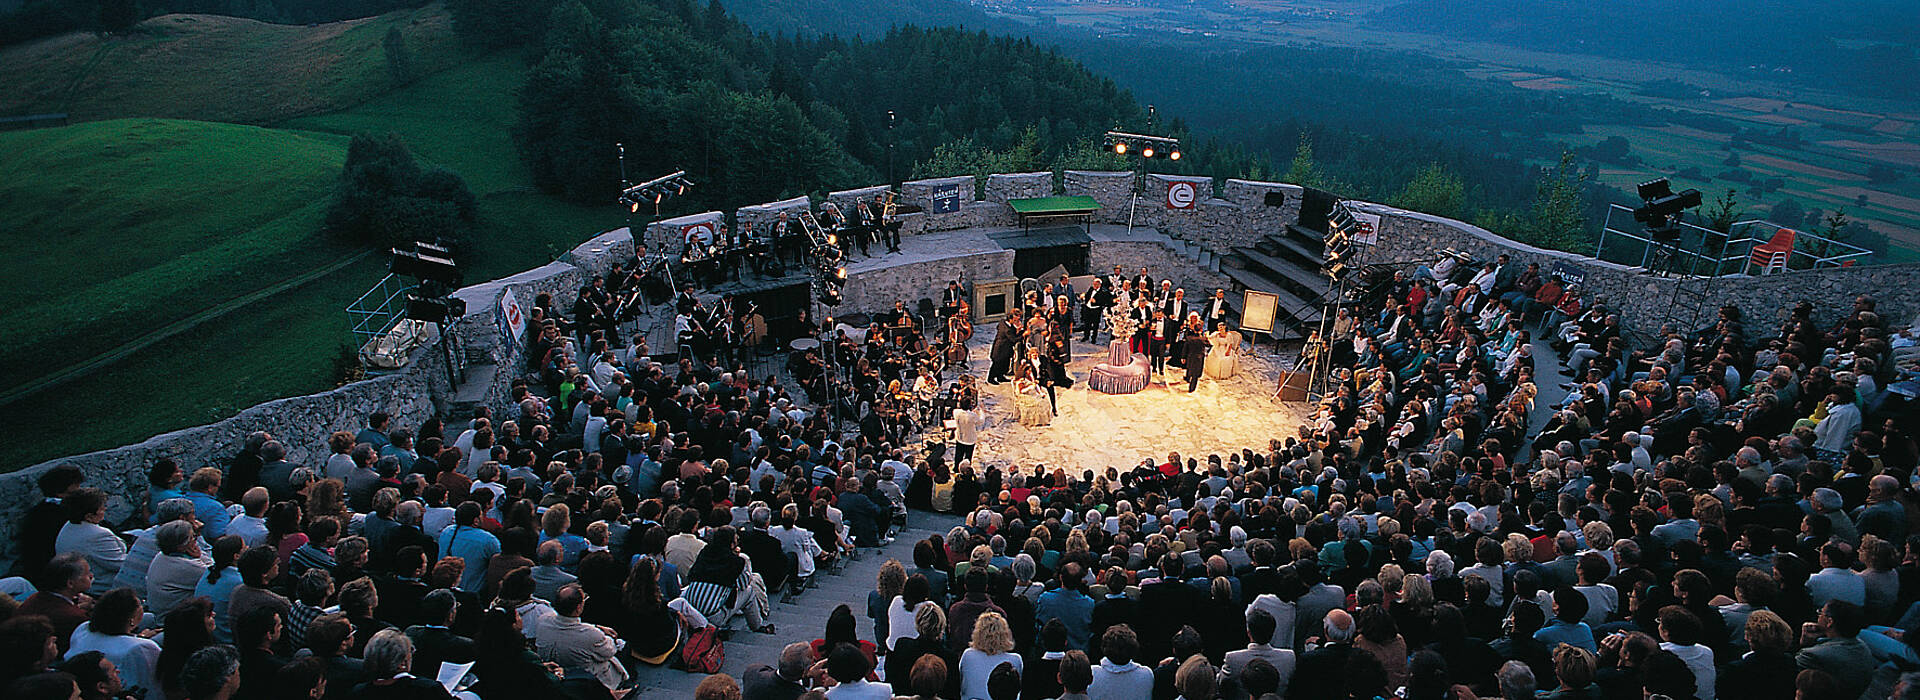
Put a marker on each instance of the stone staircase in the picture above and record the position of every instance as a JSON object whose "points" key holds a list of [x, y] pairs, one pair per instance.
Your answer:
{"points": [[805, 618], [1286, 264], [1198, 252]]}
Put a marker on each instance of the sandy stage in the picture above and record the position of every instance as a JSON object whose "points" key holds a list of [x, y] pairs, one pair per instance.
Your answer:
{"points": [[1095, 430]]}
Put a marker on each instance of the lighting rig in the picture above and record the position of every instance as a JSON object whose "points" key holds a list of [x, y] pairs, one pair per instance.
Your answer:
{"points": [[1148, 147], [431, 301], [656, 191], [1662, 207]]}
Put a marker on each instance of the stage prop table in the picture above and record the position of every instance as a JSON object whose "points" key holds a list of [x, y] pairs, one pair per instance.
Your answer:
{"points": [[1077, 207], [1123, 373]]}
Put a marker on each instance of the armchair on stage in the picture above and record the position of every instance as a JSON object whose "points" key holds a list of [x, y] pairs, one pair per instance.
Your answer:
{"points": [[1124, 372]]}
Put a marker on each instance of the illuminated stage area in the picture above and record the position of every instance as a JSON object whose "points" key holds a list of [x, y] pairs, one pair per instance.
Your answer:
{"points": [[1092, 430]]}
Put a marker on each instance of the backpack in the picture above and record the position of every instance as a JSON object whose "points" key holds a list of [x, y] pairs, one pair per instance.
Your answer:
{"points": [[703, 652]]}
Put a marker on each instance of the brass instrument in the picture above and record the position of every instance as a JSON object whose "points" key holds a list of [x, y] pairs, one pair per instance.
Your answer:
{"points": [[890, 203]]}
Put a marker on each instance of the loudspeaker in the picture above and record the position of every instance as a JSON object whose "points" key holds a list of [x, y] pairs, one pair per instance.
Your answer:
{"points": [[1315, 207], [1276, 199]]}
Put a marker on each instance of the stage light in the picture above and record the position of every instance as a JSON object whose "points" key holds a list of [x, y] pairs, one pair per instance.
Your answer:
{"points": [[1146, 152], [1120, 149], [1174, 155], [840, 273], [633, 207], [833, 239]]}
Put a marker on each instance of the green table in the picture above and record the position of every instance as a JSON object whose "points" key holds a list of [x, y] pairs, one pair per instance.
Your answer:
{"points": [[1033, 209]]}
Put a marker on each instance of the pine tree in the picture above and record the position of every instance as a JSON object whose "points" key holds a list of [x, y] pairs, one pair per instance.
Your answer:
{"points": [[1436, 190]]}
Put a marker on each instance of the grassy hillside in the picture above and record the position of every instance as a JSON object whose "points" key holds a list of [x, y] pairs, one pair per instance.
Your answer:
{"points": [[460, 119], [218, 68], [121, 227], [172, 217]]}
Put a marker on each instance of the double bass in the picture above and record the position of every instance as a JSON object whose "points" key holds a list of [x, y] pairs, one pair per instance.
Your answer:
{"points": [[959, 331]]}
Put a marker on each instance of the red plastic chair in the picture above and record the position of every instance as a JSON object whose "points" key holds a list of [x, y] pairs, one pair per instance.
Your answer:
{"points": [[1772, 256]]}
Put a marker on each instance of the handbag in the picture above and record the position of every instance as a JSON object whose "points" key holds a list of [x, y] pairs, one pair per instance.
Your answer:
{"points": [[703, 652]]}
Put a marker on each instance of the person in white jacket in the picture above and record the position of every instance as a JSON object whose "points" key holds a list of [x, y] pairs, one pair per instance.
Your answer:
{"points": [[84, 535]]}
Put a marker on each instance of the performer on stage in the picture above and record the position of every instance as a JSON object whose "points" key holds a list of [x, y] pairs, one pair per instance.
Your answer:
{"points": [[1193, 350], [1142, 326], [952, 299], [1216, 309], [1029, 386], [1161, 335], [886, 230], [1223, 359], [1061, 317], [1175, 304], [1006, 341], [959, 332], [1094, 305]]}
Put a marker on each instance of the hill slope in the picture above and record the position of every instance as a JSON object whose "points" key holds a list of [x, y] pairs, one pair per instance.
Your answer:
{"points": [[124, 226], [216, 68]]}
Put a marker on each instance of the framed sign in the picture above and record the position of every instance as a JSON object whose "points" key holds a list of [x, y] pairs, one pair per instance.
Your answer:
{"points": [[946, 199], [513, 321], [701, 233], [1260, 308], [1367, 228], [1181, 195], [1569, 273], [992, 301]]}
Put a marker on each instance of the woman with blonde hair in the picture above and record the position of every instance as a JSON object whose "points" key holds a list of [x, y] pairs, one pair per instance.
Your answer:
{"points": [[1767, 670], [1576, 668], [991, 646]]}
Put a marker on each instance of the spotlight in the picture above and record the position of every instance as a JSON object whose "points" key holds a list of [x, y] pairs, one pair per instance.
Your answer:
{"points": [[1174, 155], [841, 274], [1120, 149], [1146, 152]]}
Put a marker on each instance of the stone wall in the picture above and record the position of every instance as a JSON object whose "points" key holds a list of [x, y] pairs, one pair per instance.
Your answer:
{"points": [[1001, 188], [1160, 260], [920, 193], [875, 291], [1643, 300], [764, 215], [664, 236], [1238, 217]]}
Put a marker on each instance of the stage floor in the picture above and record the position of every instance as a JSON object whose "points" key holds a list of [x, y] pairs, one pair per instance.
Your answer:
{"points": [[1092, 430]]}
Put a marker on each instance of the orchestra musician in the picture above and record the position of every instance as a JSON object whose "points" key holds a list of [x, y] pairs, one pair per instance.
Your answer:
{"points": [[884, 229], [951, 299], [959, 331], [857, 228], [788, 242]]}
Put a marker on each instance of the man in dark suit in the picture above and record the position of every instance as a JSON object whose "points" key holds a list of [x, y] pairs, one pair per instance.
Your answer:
{"points": [[1175, 305], [1166, 605], [1322, 671], [1092, 305], [766, 682], [434, 642], [1161, 335], [1193, 352], [1143, 281], [857, 227], [276, 473], [1216, 310], [1006, 341], [950, 299]]}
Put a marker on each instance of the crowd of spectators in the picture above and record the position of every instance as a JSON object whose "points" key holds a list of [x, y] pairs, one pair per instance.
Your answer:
{"points": [[1716, 512]]}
